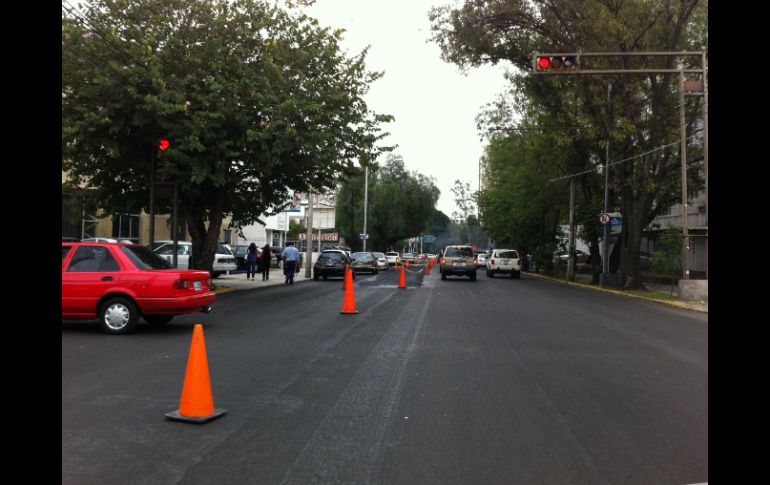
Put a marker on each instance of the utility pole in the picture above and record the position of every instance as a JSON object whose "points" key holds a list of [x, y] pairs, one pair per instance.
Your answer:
{"points": [[683, 152], [571, 259], [366, 201], [605, 252], [309, 249], [706, 150]]}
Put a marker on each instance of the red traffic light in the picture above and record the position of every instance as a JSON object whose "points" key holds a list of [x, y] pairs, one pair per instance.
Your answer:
{"points": [[557, 63], [163, 144]]}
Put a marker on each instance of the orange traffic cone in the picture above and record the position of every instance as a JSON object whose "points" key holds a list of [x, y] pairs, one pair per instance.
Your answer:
{"points": [[197, 404], [350, 294], [402, 282], [427, 269]]}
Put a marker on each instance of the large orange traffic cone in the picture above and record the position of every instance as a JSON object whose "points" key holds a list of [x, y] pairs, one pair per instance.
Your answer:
{"points": [[350, 294], [197, 404], [402, 282], [427, 269]]}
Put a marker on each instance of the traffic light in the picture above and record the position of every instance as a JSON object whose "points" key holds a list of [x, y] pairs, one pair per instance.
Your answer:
{"points": [[555, 63], [161, 160]]}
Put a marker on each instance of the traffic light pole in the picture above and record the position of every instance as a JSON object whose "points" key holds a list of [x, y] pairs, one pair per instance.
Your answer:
{"points": [[152, 194]]}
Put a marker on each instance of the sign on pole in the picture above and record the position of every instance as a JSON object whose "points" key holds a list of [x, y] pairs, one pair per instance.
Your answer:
{"points": [[616, 222], [604, 218]]}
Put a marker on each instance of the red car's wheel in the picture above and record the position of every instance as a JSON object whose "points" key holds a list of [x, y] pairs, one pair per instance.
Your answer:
{"points": [[118, 315]]}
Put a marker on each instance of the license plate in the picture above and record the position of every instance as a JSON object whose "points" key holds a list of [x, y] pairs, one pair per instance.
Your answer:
{"points": [[458, 263], [197, 285], [506, 261]]}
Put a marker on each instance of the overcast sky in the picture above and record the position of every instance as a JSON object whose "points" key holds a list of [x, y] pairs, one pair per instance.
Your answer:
{"points": [[434, 104]]}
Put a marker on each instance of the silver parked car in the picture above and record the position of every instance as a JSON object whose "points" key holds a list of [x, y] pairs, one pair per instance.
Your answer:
{"points": [[382, 261]]}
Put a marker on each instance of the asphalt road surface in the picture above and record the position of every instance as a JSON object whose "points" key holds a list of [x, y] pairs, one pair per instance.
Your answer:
{"points": [[496, 381]]}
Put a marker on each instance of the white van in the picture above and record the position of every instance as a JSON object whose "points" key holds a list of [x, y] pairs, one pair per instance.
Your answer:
{"points": [[224, 260]]}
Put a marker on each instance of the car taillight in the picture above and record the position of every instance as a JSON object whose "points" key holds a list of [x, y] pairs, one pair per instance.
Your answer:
{"points": [[182, 284], [491, 261], [208, 282], [443, 261]]}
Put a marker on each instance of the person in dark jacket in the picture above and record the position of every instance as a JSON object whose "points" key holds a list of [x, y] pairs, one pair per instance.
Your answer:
{"points": [[251, 262], [265, 259]]}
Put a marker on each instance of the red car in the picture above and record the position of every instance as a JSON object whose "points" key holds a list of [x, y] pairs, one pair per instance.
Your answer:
{"points": [[118, 283]]}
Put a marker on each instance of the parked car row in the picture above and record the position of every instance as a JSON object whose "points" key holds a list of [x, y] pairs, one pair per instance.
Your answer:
{"points": [[334, 262], [224, 260]]}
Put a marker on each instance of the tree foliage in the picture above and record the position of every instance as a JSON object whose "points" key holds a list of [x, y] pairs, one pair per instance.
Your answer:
{"points": [[257, 101], [521, 208], [401, 205]]}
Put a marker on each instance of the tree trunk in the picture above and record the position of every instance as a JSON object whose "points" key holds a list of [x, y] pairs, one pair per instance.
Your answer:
{"points": [[596, 261], [205, 239]]}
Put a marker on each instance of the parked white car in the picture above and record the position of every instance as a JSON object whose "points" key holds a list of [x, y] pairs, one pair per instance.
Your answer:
{"points": [[224, 260], [505, 261], [393, 258]]}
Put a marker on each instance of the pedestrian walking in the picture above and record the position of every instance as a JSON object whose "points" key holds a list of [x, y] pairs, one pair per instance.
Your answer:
{"points": [[265, 259], [290, 257], [251, 262]]}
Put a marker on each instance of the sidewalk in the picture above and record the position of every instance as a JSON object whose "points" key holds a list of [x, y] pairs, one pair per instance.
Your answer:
{"points": [[236, 282], [583, 281]]}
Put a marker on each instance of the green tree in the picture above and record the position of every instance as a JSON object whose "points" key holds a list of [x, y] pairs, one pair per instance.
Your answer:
{"points": [[295, 229], [645, 108], [257, 101], [522, 208], [401, 204], [667, 256]]}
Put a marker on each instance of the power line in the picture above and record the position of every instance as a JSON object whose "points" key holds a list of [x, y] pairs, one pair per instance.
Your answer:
{"points": [[72, 10], [620, 161]]}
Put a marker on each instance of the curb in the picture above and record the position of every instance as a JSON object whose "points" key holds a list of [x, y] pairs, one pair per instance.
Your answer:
{"points": [[222, 289], [677, 304]]}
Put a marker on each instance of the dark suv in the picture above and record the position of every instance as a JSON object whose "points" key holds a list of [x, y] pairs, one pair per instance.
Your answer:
{"points": [[331, 263], [458, 261]]}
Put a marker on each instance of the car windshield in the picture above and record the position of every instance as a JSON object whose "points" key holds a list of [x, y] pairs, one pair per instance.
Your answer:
{"points": [[223, 249], [144, 258], [507, 254], [379, 255], [330, 257], [458, 252], [391, 254], [362, 256]]}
